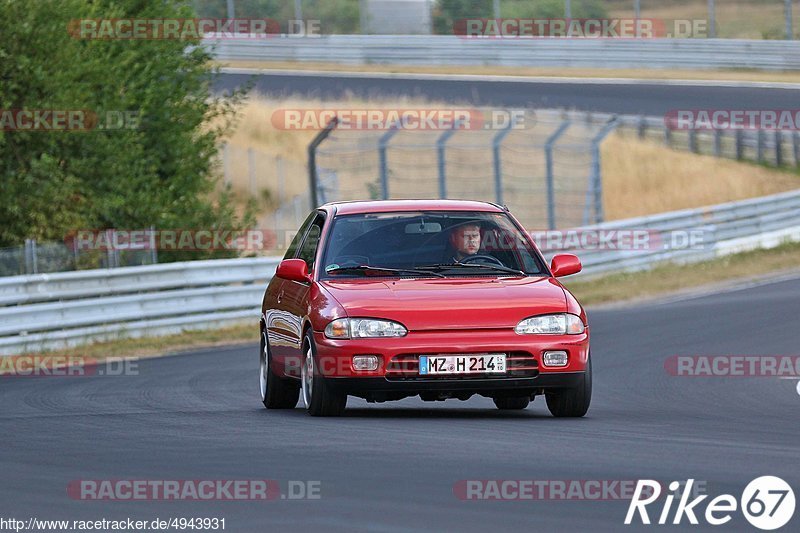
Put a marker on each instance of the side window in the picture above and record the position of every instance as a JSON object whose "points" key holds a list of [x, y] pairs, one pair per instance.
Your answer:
{"points": [[291, 252], [309, 250]]}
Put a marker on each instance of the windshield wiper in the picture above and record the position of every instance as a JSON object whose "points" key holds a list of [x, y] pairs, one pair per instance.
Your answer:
{"points": [[364, 268], [450, 266]]}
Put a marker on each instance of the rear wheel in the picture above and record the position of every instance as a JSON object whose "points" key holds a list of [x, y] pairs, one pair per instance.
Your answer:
{"points": [[516, 402], [276, 393], [318, 397], [572, 402]]}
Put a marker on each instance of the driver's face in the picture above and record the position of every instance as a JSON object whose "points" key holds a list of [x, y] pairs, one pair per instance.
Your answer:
{"points": [[467, 240]]}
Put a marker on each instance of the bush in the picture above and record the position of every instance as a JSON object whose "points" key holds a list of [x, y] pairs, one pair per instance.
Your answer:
{"points": [[160, 173]]}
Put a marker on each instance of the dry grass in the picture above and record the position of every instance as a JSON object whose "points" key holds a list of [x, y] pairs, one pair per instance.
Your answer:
{"points": [[643, 177], [547, 72]]}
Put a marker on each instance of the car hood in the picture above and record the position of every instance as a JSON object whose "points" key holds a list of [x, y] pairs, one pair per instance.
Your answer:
{"points": [[452, 303]]}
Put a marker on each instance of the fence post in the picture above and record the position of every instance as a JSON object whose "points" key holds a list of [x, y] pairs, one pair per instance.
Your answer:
{"points": [[153, 247], [550, 178], [667, 136], [796, 148], [567, 9], [712, 20], [281, 178], [440, 152], [760, 145], [31, 263], [718, 143], [778, 148], [596, 180], [498, 171], [693, 140], [312, 159], [739, 145], [642, 122], [251, 170], [226, 163], [788, 13], [384, 165]]}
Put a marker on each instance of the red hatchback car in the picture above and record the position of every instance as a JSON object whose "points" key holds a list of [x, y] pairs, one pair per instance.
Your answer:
{"points": [[438, 298]]}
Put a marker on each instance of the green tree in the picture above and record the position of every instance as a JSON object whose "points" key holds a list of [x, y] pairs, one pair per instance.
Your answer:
{"points": [[159, 172]]}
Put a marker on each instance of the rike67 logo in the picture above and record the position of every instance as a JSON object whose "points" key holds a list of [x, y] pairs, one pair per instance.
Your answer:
{"points": [[767, 503]]}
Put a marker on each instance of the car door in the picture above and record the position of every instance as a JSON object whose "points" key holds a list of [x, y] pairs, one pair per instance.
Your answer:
{"points": [[279, 322], [296, 293]]}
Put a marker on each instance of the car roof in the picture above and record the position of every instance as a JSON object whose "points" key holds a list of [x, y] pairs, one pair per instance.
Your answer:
{"points": [[386, 206]]}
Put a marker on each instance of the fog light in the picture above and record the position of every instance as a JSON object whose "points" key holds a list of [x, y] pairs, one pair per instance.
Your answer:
{"points": [[365, 362], [555, 358]]}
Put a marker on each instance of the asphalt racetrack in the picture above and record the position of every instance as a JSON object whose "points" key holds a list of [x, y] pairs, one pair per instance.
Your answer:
{"points": [[624, 97], [393, 466]]}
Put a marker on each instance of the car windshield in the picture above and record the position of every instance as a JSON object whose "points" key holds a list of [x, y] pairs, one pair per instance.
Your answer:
{"points": [[430, 243]]}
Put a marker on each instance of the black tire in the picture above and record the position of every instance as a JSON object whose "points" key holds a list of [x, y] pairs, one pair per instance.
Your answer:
{"points": [[324, 400], [280, 393], [574, 402], [512, 403]]}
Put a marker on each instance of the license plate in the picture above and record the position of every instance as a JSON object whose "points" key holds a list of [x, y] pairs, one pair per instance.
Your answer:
{"points": [[490, 363]]}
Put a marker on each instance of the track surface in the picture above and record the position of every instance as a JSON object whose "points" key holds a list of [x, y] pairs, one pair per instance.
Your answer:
{"points": [[391, 467], [653, 99]]}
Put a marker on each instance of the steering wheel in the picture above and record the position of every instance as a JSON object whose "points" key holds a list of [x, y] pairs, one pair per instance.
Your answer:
{"points": [[483, 259]]}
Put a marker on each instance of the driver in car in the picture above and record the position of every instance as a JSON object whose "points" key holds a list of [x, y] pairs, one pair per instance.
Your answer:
{"points": [[465, 239]]}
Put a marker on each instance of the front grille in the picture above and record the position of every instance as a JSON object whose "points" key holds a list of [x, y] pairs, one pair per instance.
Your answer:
{"points": [[405, 367]]}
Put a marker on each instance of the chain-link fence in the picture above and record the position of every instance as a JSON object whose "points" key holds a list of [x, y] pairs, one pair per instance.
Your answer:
{"points": [[546, 168], [39, 258]]}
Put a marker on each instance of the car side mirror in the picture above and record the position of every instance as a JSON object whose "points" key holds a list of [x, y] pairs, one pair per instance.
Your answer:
{"points": [[294, 270], [564, 265]]}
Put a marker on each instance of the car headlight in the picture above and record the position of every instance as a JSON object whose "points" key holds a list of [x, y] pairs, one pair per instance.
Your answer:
{"points": [[363, 328], [561, 324]]}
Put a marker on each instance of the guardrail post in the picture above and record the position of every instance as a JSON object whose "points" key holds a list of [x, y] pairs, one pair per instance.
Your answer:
{"points": [[550, 179], [498, 172], [440, 153], [778, 148], [313, 179], [384, 165], [739, 137], [718, 143], [760, 145]]}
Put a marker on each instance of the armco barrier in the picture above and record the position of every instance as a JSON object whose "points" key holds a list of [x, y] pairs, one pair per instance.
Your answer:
{"points": [[441, 50], [46, 311]]}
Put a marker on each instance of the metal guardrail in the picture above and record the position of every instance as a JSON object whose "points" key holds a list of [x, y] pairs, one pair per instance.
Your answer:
{"points": [[48, 311], [537, 52]]}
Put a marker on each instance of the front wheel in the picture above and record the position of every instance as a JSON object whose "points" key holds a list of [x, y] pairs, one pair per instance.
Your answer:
{"points": [[276, 393], [318, 397], [574, 402]]}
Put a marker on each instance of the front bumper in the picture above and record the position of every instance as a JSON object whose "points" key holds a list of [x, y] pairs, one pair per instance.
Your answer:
{"points": [[529, 377]]}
